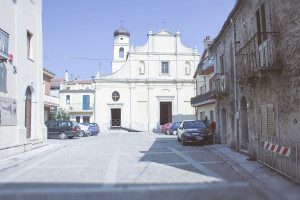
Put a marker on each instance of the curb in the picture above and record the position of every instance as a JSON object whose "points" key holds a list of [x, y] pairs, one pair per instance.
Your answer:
{"points": [[253, 181], [15, 160]]}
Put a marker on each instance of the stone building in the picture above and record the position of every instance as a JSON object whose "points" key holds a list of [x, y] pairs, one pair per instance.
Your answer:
{"points": [[150, 85], [259, 47], [21, 77], [202, 102]]}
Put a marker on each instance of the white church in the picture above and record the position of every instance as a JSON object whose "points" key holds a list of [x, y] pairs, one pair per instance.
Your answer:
{"points": [[150, 85]]}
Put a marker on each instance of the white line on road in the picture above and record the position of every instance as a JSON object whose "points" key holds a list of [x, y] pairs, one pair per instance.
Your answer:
{"points": [[198, 166]]}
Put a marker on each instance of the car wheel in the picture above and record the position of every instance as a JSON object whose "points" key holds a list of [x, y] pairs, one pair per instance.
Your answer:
{"points": [[63, 135], [81, 134], [70, 137]]}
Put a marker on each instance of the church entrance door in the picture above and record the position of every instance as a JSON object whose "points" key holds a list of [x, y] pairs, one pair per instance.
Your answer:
{"points": [[115, 117], [165, 112]]}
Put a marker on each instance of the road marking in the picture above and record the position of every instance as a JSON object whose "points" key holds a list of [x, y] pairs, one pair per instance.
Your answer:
{"points": [[112, 169], [198, 166]]}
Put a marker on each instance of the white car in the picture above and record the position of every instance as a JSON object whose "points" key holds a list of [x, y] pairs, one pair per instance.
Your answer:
{"points": [[85, 129]]}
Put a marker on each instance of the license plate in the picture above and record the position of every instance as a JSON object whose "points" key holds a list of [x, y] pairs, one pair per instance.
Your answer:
{"points": [[199, 138]]}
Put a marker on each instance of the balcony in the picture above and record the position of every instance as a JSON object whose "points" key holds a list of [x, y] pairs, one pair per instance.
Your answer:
{"points": [[50, 101], [3, 46], [80, 108], [218, 85], [257, 57], [201, 99]]}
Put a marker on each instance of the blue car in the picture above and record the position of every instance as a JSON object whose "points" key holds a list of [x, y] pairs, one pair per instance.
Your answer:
{"points": [[94, 128], [173, 128]]}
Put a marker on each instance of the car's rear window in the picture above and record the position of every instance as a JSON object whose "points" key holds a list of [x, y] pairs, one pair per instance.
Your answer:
{"points": [[193, 124]]}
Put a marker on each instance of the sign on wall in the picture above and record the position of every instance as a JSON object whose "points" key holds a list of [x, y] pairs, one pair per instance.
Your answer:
{"points": [[8, 111]]}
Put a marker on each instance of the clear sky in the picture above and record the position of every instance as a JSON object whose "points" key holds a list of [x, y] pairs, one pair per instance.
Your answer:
{"points": [[84, 28]]}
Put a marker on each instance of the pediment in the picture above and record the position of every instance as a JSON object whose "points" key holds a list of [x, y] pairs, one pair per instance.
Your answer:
{"points": [[164, 32]]}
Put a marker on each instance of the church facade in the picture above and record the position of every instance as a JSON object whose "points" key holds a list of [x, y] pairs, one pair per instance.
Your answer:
{"points": [[150, 85]]}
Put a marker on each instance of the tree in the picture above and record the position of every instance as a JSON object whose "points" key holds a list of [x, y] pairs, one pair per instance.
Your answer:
{"points": [[61, 115]]}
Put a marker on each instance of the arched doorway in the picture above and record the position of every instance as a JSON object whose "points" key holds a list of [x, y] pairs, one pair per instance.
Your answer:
{"points": [[244, 125], [224, 127], [28, 95]]}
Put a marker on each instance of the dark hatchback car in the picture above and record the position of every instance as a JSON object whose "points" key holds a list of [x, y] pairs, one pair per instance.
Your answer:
{"points": [[194, 131], [173, 128], [62, 129], [94, 128]]}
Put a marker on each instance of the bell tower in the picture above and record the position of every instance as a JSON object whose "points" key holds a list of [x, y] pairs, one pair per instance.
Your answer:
{"points": [[121, 48]]}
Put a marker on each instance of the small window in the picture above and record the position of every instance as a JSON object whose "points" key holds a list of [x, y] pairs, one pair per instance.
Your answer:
{"points": [[29, 45], [68, 99], [164, 67], [68, 88], [115, 96], [121, 38], [121, 52]]}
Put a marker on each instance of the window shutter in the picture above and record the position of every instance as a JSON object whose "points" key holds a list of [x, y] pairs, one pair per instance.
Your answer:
{"points": [[263, 119], [270, 119]]}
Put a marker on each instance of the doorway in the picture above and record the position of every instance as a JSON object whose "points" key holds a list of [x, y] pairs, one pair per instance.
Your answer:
{"points": [[165, 112], [28, 112], [115, 117], [244, 125]]}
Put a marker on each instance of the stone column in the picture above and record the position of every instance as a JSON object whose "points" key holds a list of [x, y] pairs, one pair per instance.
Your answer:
{"points": [[151, 108], [179, 102], [132, 106]]}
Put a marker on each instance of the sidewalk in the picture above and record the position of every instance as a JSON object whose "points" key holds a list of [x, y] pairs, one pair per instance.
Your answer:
{"points": [[272, 184]]}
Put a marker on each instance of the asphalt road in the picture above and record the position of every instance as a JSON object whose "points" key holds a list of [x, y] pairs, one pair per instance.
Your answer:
{"points": [[124, 166]]}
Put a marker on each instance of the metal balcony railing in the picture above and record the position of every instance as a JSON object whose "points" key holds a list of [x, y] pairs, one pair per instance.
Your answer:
{"points": [[3, 45], [218, 84], [258, 54], [115, 122], [79, 107], [200, 98]]}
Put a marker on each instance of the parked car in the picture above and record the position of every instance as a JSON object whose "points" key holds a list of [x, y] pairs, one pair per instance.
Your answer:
{"points": [[194, 131], [85, 129], [62, 129], [173, 128], [165, 127], [94, 128]]}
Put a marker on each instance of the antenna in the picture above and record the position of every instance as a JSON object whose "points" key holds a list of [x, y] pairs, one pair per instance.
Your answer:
{"points": [[164, 23], [122, 22]]}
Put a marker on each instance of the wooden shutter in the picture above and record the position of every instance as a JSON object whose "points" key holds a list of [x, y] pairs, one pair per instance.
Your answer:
{"points": [[263, 119], [270, 119]]}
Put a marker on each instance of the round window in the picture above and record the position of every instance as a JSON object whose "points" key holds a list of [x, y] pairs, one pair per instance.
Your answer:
{"points": [[115, 96]]}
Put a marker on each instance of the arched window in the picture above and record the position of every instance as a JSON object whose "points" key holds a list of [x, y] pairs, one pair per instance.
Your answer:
{"points": [[121, 52]]}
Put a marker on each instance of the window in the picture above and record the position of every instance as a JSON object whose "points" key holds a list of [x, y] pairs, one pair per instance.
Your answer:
{"points": [[86, 119], [68, 99], [267, 122], [202, 115], [78, 119], [85, 102], [29, 45], [68, 88], [261, 24], [115, 96], [164, 67], [121, 52], [222, 64]]}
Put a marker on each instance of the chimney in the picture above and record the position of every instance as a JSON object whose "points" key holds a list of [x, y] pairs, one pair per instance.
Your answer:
{"points": [[207, 42], [67, 76]]}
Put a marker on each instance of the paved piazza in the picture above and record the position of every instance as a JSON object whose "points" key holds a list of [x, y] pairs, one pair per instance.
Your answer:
{"points": [[123, 165]]}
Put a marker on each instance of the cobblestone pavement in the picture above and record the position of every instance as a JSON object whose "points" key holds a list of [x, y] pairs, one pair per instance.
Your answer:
{"points": [[123, 166]]}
